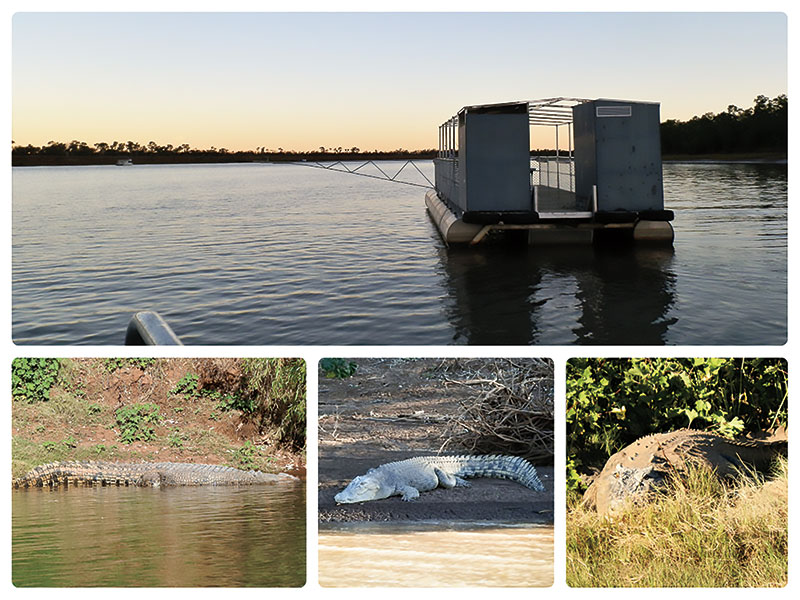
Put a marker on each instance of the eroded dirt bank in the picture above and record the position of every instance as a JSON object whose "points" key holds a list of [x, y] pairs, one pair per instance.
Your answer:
{"points": [[78, 421]]}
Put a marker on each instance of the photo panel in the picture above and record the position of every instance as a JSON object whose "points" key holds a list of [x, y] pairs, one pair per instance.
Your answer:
{"points": [[677, 472], [436, 472], [167, 472]]}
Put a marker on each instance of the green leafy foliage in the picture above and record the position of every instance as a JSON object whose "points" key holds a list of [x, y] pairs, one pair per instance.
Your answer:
{"points": [[61, 447], [175, 439], [136, 422], [245, 457], [337, 368], [277, 388], [613, 402], [32, 378], [186, 386], [229, 401], [113, 364], [189, 386]]}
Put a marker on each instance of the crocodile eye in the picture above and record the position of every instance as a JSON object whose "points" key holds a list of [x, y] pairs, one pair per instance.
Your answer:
{"points": [[366, 485]]}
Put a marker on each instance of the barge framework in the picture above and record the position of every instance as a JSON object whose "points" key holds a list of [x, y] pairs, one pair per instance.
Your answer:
{"points": [[607, 185]]}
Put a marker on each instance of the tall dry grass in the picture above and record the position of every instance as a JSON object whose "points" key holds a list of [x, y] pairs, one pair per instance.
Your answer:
{"points": [[700, 533]]}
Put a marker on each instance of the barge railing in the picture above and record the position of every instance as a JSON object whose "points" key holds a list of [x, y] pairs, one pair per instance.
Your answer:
{"points": [[147, 328], [553, 171]]}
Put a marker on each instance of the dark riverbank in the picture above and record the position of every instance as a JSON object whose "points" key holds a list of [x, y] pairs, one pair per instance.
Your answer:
{"points": [[742, 157], [44, 159]]}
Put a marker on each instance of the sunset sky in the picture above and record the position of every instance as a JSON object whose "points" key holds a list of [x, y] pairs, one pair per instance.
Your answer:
{"points": [[372, 80]]}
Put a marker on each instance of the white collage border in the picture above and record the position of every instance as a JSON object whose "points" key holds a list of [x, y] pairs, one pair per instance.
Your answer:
{"points": [[559, 354]]}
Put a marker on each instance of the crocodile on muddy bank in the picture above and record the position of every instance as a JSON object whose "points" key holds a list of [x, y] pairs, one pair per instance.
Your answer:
{"points": [[407, 478], [631, 475], [89, 473]]}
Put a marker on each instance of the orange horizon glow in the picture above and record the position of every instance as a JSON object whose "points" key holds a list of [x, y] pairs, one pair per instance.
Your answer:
{"points": [[299, 81]]}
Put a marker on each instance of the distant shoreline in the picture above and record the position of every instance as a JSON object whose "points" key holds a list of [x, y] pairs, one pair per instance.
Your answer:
{"points": [[776, 158], [151, 159], [201, 157]]}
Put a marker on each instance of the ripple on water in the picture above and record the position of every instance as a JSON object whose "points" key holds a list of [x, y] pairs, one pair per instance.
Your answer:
{"points": [[239, 254], [116, 537]]}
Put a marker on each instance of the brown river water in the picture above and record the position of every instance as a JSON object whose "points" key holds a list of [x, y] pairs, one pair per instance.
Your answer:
{"points": [[435, 555], [176, 537]]}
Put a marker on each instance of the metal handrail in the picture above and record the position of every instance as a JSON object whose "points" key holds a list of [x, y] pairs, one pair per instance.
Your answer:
{"points": [[147, 328], [341, 167], [543, 173]]}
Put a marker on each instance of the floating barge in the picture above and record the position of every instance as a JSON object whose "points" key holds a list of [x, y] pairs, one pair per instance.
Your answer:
{"points": [[608, 185]]}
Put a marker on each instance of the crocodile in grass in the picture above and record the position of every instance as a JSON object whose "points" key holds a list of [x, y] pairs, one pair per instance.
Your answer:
{"points": [[90, 473], [407, 478], [631, 475]]}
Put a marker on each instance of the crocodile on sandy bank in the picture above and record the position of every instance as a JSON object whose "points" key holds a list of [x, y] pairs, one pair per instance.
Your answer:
{"points": [[407, 478], [632, 474], [100, 473]]}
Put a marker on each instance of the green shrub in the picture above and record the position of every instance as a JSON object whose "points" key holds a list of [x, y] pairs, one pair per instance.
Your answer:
{"points": [[231, 401], [32, 378], [136, 422], [187, 386], [337, 368], [112, 364], [61, 447], [244, 457], [277, 389], [175, 439]]}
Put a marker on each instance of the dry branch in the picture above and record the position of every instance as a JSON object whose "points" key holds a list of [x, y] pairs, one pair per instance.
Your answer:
{"points": [[511, 411]]}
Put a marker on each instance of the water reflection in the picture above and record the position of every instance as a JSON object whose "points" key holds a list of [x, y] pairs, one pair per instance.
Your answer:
{"points": [[558, 295], [276, 257], [467, 555], [206, 536]]}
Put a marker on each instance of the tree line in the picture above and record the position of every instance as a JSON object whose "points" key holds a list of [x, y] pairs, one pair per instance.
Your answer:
{"points": [[763, 128], [80, 153]]}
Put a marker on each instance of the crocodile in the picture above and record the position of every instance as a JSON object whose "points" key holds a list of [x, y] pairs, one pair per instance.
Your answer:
{"points": [[407, 478], [631, 475], [99, 473]]}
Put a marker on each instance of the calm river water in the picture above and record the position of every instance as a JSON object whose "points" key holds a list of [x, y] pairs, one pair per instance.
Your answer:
{"points": [[203, 536], [415, 555], [288, 255]]}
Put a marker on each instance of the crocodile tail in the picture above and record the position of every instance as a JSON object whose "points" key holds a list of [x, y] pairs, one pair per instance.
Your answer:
{"points": [[40, 476], [514, 468], [77, 473]]}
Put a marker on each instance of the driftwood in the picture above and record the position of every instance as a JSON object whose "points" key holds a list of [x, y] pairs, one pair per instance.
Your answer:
{"points": [[511, 411]]}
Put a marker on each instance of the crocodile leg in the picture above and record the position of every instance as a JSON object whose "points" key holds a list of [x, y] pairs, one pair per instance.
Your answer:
{"points": [[448, 481], [409, 493]]}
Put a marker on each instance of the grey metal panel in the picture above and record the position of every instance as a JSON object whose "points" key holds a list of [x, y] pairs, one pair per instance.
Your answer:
{"points": [[445, 170], [585, 157], [494, 158], [618, 149]]}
